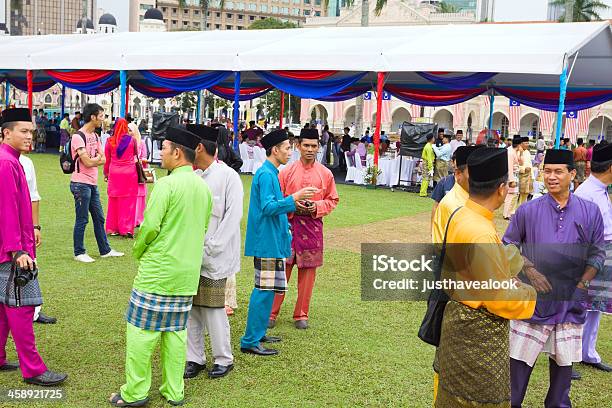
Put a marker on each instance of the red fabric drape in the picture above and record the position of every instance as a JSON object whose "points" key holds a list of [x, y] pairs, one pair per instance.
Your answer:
{"points": [[282, 111], [81, 76], [175, 73], [305, 74], [379, 94], [30, 81]]}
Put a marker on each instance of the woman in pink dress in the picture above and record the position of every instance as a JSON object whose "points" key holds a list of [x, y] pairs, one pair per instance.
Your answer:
{"points": [[141, 199], [120, 172]]}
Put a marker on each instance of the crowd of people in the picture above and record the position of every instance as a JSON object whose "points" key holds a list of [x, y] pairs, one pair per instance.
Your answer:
{"points": [[187, 246], [489, 343]]}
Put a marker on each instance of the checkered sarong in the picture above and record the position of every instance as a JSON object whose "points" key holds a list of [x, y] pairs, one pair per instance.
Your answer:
{"points": [[563, 342], [158, 313], [270, 274]]}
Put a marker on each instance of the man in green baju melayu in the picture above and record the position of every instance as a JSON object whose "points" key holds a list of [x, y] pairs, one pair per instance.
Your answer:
{"points": [[169, 248]]}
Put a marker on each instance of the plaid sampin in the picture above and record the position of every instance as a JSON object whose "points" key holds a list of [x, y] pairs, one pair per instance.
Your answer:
{"points": [[270, 274], [158, 313]]}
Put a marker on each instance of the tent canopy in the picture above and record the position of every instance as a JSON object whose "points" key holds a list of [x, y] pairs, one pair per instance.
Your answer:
{"points": [[521, 61], [500, 48]]}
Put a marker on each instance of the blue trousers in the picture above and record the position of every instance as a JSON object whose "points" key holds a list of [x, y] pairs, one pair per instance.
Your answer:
{"points": [[258, 316], [86, 201]]}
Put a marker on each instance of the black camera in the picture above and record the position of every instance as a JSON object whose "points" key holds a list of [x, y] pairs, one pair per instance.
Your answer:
{"points": [[24, 276]]}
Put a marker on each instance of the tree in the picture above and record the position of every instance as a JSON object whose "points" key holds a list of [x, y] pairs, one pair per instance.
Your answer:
{"points": [[583, 10], [271, 23], [445, 7], [274, 106], [188, 101]]}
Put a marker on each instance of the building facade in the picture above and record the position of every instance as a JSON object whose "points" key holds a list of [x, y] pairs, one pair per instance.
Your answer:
{"points": [[237, 15], [40, 17]]}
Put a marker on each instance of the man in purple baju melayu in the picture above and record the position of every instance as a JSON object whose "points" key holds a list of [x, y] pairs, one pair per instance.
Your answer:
{"points": [[561, 237]]}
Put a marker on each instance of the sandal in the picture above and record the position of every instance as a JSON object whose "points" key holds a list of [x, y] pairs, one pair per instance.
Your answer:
{"points": [[116, 401]]}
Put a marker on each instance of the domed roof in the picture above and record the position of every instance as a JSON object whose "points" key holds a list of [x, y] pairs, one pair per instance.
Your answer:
{"points": [[89, 23], [107, 19], [153, 14]]}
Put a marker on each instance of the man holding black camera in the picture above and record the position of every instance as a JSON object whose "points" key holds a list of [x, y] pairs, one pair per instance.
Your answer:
{"points": [[19, 289]]}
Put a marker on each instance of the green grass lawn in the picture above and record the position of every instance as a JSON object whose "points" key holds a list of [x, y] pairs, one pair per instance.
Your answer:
{"points": [[355, 353]]}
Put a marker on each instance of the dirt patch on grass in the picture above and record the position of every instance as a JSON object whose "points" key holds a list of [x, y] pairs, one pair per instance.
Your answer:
{"points": [[412, 229]]}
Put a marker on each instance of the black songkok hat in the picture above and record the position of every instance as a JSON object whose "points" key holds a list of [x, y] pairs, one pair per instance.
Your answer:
{"points": [[310, 133], [273, 138], [489, 164], [204, 132], [559, 156], [517, 139], [182, 136], [16, 115], [602, 153], [463, 152], [524, 139]]}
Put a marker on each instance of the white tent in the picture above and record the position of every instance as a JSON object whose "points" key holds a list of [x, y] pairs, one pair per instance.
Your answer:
{"points": [[520, 53]]}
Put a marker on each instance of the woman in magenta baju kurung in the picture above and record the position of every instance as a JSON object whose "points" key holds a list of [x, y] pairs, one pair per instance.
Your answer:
{"points": [[141, 199], [120, 171]]}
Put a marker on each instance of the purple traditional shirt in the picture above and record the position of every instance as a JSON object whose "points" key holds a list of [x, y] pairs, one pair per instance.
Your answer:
{"points": [[560, 242], [597, 192], [16, 226]]}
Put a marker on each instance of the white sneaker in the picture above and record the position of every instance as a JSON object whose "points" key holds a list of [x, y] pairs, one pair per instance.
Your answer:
{"points": [[84, 258], [112, 253]]}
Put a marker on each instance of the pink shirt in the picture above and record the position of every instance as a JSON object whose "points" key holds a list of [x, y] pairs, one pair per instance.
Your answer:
{"points": [[16, 226], [296, 176], [93, 147]]}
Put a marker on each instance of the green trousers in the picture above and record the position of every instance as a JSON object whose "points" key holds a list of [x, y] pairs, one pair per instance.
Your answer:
{"points": [[425, 180], [140, 345]]}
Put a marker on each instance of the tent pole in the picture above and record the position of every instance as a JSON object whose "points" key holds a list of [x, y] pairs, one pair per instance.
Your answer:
{"points": [[562, 91], [197, 120], [282, 111], [236, 111], [379, 95], [123, 90], [127, 99], [601, 132], [63, 101], [7, 93], [30, 80], [491, 103]]}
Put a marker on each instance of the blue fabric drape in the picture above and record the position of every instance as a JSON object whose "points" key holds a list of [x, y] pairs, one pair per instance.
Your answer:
{"points": [[190, 83], [236, 117], [313, 89], [458, 82], [346, 94]]}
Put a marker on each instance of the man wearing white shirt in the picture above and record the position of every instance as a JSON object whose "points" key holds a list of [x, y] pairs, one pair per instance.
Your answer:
{"points": [[457, 141], [221, 260], [443, 157], [30, 173]]}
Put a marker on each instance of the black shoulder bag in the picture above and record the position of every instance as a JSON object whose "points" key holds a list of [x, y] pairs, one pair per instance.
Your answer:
{"points": [[431, 326]]}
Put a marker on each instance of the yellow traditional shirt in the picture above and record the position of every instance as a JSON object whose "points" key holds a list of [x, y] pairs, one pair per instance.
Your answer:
{"points": [[473, 224], [454, 199]]}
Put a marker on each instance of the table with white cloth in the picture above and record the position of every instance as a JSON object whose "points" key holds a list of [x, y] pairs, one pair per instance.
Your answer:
{"points": [[390, 170]]}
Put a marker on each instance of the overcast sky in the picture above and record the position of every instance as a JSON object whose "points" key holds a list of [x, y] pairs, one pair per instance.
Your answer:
{"points": [[118, 8]]}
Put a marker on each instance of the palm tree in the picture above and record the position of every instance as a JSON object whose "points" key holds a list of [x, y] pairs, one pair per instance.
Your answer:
{"points": [[584, 10], [445, 7]]}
